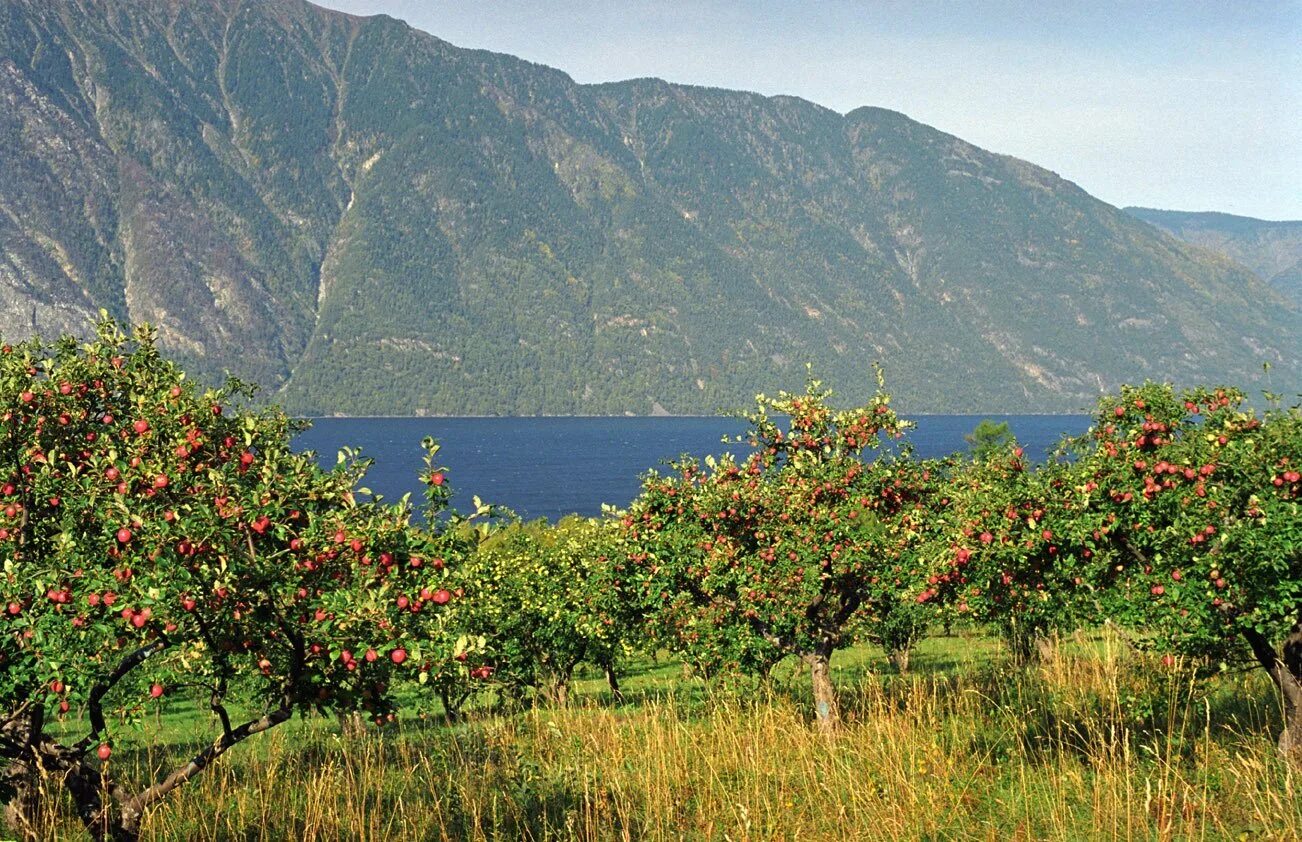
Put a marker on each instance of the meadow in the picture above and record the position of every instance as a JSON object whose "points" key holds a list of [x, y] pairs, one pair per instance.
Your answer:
{"points": [[1093, 742]]}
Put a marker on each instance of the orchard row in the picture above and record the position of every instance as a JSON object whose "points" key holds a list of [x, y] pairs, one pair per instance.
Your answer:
{"points": [[159, 538]]}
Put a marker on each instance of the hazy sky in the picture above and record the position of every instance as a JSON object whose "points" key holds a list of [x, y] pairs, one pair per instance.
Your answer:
{"points": [[1185, 105]]}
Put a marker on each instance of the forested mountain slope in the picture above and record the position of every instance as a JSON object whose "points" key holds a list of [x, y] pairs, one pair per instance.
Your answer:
{"points": [[1271, 249], [367, 219]]}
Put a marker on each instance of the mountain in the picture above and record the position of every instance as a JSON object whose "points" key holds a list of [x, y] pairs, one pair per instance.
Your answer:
{"points": [[1272, 250], [367, 219]]}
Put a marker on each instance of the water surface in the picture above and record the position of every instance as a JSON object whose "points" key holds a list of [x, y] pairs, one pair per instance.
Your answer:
{"points": [[550, 467]]}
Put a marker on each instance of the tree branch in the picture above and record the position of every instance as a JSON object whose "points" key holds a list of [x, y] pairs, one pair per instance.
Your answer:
{"points": [[1264, 652], [231, 736], [100, 690], [1133, 550], [215, 704], [139, 803]]}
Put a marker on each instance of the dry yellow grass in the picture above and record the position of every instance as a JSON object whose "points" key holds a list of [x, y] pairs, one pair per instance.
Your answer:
{"points": [[1088, 746]]}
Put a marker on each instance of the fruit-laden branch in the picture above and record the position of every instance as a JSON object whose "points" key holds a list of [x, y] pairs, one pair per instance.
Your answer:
{"points": [[135, 806], [757, 625], [100, 690]]}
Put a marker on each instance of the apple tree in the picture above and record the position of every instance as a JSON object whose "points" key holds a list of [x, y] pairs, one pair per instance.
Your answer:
{"points": [[1200, 500], [1020, 542], [901, 516], [158, 540], [745, 562], [540, 598]]}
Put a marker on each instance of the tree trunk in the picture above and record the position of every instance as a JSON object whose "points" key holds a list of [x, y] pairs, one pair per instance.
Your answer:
{"points": [[1285, 670], [1290, 739], [23, 809], [1289, 682], [351, 725], [556, 688], [612, 681], [826, 714], [899, 658], [451, 708], [105, 817], [20, 775], [1028, 647]]}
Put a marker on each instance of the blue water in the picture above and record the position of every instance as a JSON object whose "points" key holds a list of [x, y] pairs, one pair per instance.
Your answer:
{"points": [[550, 467]]}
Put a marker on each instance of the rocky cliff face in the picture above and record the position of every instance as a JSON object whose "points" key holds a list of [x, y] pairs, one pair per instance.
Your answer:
{"points": [[367, 219]]}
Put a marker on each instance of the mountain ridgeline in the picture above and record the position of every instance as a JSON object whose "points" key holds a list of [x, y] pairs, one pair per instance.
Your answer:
{"points": [[1271, 249], [368, 220]]}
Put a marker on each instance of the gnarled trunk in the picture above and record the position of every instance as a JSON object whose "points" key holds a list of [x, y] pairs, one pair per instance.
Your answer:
{"points": [[899, 658], [826, 713], [111, 819], [20, 776], [22, 811], [556, 687], [1285, 670], [98, 802]]}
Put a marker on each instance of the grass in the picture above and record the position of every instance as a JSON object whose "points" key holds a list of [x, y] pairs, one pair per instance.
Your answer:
{"points": [[1094, 743]]}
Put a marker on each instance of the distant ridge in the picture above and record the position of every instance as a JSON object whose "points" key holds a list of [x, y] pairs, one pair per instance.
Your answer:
{"points": [[369, 220], [1271, 249]]}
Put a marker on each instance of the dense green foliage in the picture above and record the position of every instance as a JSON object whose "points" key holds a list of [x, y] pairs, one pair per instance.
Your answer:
{"points": [[542, 600], [369, 220], [737, 564], [156, 540], [1177, 518]]}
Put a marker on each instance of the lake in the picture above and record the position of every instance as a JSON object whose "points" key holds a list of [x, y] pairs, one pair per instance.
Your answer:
{"points": [[550, 467]]}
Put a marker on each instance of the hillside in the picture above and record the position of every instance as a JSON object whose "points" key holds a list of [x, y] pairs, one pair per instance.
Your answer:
{"points": [[367, 219], [1272, 250]]}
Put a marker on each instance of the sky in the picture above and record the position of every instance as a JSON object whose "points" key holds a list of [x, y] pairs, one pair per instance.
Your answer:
{"points": [[1174, 104]]}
